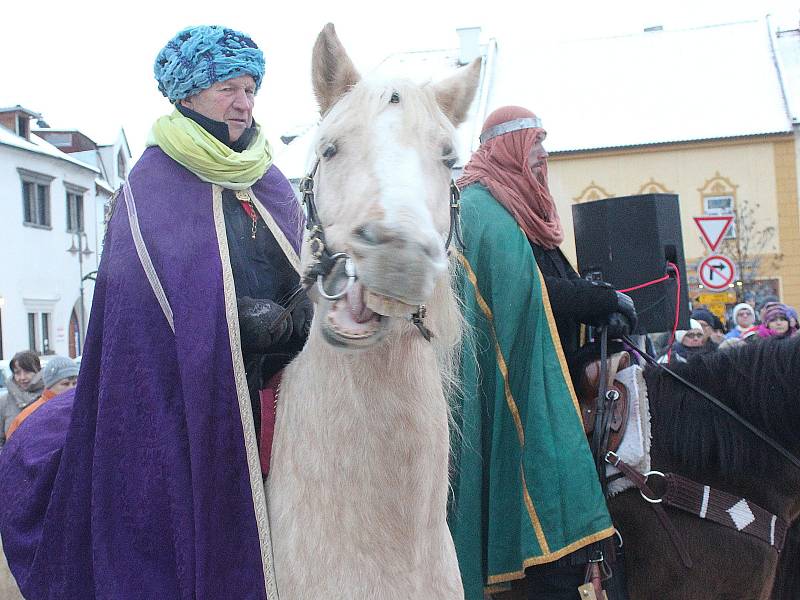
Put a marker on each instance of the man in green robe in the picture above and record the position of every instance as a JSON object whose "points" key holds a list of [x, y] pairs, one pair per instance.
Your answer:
{"points": [[525, 487]]}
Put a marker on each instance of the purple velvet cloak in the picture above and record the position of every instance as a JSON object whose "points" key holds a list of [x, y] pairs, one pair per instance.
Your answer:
{"points": [[157, 492]]}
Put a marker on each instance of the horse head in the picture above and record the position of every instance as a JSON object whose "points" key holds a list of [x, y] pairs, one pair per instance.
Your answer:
{"points": [[383, 154]]}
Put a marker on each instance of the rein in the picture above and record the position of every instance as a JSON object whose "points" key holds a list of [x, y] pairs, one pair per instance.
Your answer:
{"points": [[325, 260], [726, 409]]}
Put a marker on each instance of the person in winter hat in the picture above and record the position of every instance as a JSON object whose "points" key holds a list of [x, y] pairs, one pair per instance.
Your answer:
{"points": [[689, 342], [58, 375], [744, 317], [197, 272], [777, 322]]}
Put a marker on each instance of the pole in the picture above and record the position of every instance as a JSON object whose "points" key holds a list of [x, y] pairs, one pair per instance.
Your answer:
{"points": [[83, 309], [81, 249]]}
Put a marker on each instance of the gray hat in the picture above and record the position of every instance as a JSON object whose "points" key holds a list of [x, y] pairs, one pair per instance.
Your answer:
{"points": [[58, 368]]}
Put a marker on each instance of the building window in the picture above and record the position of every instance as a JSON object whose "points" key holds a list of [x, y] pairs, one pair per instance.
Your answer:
{"points": [[721, 206], [121, 170], [39, 332], [35, 198], [32, 332], [23, 126], [74, 212]]}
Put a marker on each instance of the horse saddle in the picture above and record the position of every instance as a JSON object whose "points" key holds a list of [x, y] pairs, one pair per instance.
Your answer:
{"points": [[588, 392]]}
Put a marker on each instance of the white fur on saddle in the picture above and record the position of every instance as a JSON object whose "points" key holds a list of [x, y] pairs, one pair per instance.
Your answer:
{"points": [[635, 446]]}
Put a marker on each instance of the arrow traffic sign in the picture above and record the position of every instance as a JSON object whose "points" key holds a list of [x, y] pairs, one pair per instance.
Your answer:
{"points": [[716, 272], [713, 228]]}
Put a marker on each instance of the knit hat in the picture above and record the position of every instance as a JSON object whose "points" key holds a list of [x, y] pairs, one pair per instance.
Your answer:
{"points": [[58, 368], [197, 57], [682, 332], [703, 314], [776, 311]]}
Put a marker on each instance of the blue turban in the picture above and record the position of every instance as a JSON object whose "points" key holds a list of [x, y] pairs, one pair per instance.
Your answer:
{"points": [[199, 56]]}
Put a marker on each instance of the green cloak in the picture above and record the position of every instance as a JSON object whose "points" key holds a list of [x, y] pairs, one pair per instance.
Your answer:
{"points": [[525, 487]]}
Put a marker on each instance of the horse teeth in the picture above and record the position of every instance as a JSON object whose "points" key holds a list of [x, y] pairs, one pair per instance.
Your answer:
{"points": [[384, 305]]}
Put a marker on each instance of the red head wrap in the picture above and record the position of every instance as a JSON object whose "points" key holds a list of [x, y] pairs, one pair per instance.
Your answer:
{"points": [[501, 164]]}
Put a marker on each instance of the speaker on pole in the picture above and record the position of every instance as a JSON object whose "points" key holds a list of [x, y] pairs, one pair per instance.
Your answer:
{"points": [[629, 241]]}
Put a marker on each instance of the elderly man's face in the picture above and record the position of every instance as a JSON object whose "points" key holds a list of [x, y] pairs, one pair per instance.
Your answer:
{"points": [[230, 101]]}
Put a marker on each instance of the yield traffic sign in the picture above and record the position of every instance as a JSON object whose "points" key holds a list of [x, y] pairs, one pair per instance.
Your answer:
{"points": [[713, 228], [716, 272]]}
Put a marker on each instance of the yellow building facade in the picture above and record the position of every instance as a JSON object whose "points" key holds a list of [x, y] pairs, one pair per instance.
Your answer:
{"points": [[752, 170]]}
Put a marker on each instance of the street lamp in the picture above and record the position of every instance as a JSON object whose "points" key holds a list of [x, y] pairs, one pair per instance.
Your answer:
{"points": [[82, 250]]}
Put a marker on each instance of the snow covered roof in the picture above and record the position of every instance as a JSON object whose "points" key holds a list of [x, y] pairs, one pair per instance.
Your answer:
{"points": [[38, 145], [22, 109], [653, 87], [649, 88]]}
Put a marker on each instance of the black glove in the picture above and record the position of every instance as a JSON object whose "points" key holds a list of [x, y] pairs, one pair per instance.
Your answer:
{"points": [[622, 321], [617, 325], [262, 324]]}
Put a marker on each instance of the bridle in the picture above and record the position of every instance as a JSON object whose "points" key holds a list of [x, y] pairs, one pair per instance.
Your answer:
{"points": [[325, 260]]}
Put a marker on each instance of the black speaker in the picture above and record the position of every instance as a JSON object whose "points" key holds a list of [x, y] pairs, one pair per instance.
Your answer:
{"points": [[628, 241]]}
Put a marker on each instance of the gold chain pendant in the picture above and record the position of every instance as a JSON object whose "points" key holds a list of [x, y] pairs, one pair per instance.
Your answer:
{"points": [[243, 196]]}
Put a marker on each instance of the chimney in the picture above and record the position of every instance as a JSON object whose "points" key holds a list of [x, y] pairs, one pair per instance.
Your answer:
{"points": [[470, 47]]}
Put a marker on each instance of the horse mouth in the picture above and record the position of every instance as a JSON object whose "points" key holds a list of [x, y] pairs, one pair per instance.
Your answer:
{"points": [[360, 316]]}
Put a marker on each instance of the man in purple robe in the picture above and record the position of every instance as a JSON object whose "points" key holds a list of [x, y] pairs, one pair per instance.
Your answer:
{"points": [[149, 483]]}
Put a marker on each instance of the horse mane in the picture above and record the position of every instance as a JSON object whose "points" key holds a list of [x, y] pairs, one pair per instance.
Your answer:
{"points": [[757, 380]]}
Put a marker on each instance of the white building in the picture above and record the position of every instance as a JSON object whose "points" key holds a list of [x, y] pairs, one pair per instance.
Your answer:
{"points": [[51, 216]]}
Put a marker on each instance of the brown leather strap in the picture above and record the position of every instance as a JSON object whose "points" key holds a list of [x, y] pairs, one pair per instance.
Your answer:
{"points": [[724, 508], [641, 482]]}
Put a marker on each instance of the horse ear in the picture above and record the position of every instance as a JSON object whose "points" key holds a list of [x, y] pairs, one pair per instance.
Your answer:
{"points": [[332, 71], [455, 93]]}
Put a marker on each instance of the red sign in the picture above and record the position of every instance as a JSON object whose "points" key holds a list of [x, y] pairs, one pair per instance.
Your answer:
{"points": [[716, 272], [713, 229]]}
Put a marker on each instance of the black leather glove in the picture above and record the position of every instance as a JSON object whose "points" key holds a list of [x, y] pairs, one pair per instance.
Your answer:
{"points": [[259, 324], [624, 319], [617, 325]]}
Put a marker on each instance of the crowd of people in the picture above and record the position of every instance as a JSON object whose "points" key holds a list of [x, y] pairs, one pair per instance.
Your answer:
{"points": [[708, 333]]}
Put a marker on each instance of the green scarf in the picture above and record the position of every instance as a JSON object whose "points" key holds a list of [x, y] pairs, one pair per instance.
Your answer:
{"points": [[185, 141]]}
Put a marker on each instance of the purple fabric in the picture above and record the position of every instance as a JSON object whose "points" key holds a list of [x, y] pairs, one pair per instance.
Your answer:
{"points": [[151, 496]]}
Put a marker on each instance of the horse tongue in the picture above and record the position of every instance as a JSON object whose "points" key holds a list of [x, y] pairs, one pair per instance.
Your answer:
{"points": [[355, 301]]}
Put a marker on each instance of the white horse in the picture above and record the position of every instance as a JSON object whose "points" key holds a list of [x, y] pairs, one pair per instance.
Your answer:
{"points": [[358, 485]]}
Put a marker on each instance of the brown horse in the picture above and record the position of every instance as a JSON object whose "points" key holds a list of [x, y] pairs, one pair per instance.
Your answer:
{"points": [[693, 438]]}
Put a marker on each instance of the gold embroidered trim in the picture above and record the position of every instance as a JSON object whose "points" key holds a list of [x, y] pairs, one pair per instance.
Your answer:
{"points": [[276, 231], [539, 560], [243, 394], [562, 359]]}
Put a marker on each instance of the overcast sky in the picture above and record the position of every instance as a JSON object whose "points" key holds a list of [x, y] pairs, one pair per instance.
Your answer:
{"points": [[88, 65]]}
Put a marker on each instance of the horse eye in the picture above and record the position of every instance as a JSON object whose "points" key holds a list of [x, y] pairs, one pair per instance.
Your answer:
{"points": [[395, 99], [448, 157], [329, 150]]}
